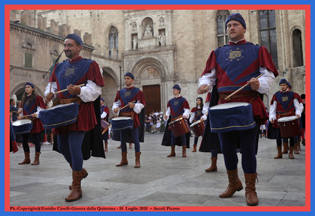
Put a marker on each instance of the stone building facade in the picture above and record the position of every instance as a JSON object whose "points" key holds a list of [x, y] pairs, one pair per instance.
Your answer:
{"points": [[160, 47]]}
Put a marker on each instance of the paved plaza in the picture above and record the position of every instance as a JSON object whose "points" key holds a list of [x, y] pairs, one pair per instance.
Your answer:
{"points": [[160, 181]]}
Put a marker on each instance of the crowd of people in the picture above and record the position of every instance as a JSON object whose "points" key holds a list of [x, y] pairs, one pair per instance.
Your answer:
{"points": [[228, 128]]}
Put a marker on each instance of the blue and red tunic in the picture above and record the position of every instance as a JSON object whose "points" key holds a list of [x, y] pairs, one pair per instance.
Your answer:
{"points": [[236, 64], [77, 72], [105, 109], [198, 113], [31, 108], [127, 95], [177, 106]]}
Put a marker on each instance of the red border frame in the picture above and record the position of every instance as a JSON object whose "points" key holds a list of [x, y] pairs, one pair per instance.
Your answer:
{"points": [[307, 9]]}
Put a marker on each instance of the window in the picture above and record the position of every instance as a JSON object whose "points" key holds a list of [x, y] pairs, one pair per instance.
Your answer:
{"points": [[297, 48], [268, 34], [28, 60], [221, 30], [113, 42]]}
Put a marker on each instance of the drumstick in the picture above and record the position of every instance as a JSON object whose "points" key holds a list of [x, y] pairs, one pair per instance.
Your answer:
{"points": [[67, 89], [126, 105], [207, 87], [240, 89]]}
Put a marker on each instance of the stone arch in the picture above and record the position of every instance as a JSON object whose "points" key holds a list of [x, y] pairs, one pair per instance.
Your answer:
{"points": [[294, 28], [148, 20], [28, 42], [106, 32], [143, 63], [111, 86], [21, 85], [112, 73]]}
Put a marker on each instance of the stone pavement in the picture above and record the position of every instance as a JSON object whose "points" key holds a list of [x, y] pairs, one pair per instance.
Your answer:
{"points": [[160, 181]]}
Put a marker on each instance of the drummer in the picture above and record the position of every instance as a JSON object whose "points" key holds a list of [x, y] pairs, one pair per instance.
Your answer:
{"points": [[231, 67], [104, 116], [177, 107], [284, 103], [134, 98], [75, 71], [31, 105], [197, 114]]}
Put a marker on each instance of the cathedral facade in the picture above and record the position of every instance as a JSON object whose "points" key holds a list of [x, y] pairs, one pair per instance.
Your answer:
{"points": [[160, 47]]}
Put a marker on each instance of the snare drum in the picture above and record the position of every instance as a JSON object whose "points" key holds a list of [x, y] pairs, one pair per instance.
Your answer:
{"points": [[179, 127], [59, 115], [122, 123], [104, 125], [198, 127], [289, 126], [233, 116], [23, 126]]}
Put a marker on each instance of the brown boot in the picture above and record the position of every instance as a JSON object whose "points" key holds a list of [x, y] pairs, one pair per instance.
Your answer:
{"points": [[124, 160], [213, 166], [279, 153], [172, 152], [291, 156], [137, 165], [184, 151], [84, 175], [195, 148], [119, 146], [295, 148], [250, 189], [106, 149], [36, 160], [235, 184], [76, 192], [27, 159], [285, 148]]}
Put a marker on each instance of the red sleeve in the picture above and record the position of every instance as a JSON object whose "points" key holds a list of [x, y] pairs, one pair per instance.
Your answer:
{"points": [[208, 97], [193, 109], [140, 97], [297, 96], [211, 63], [117, 97], [94, 74], [265, 60], [168, 104], [40, 102], [186, 105], [273, 99], [53, 75], [106, 110]]}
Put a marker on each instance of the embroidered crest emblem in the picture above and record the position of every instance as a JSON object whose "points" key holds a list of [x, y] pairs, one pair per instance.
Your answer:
{"points": [[69, 73], [127, 94], [176, 103], [284, 99], [235, 55], [198, 113]]}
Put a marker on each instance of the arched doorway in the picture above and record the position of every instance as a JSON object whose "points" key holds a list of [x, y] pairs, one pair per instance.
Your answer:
{"points": [[111, 86]]}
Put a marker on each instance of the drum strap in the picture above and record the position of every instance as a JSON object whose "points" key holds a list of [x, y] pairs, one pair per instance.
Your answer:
{"points": [[70, 100]]}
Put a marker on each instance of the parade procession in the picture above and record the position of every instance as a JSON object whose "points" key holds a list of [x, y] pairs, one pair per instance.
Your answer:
{"points": [[141, 89]]}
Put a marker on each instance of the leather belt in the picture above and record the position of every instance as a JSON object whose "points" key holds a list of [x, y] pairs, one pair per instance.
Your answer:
{"points": [[127, 114], [285, 114], [222, 96], [70, 100]]}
